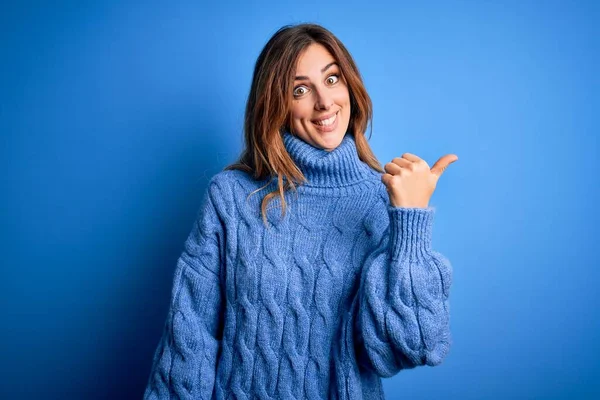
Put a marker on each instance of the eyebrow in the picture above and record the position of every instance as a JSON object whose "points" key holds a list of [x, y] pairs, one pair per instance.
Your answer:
{"points": [[325, 68]]}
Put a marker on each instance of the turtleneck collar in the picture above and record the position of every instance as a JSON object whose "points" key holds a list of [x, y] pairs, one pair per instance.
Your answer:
{"points": [[338, 167]]}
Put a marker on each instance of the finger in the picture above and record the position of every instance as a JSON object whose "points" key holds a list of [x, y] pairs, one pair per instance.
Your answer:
{"points": [[385, 178], [412, 157], [403, 162], [393, 168], [440, 165]]}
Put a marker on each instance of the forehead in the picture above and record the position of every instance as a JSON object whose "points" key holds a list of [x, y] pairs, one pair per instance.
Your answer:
{"points": [[312, 59]]}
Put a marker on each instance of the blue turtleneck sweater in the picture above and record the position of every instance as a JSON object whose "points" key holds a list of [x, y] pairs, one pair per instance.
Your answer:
{"points": [[342, 290]]}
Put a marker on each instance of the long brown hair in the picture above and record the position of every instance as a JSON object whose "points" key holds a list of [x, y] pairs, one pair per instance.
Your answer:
{"points": [[270, 100]]}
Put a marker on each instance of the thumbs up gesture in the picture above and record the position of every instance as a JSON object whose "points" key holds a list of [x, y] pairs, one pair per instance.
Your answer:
{"points": [[409, 180]]}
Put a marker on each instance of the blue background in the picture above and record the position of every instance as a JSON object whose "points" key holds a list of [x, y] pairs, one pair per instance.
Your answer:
{"points": [[114, 115]]}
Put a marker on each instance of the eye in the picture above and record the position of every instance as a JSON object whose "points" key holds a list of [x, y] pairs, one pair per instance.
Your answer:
{"points": [[332, 79], [300, 90]]}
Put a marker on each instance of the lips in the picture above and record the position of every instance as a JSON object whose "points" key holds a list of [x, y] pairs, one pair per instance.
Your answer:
{"points": [[327, 120], [328, 124]]}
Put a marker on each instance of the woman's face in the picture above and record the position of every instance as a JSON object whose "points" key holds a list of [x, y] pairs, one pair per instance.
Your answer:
{"points": [[321, 105]]}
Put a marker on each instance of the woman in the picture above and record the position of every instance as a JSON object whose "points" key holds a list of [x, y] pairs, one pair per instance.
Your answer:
{"points": [[337, 288]]}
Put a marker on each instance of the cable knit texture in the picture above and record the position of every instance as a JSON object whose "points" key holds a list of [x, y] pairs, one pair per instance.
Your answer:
{"points": [[341, 291]]}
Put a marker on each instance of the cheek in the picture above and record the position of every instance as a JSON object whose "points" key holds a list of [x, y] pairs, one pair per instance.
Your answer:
{"points": [[300, 110], [342, 96]]}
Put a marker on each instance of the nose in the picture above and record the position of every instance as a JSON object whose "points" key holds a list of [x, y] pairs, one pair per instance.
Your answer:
{"points": [[323, 99]]}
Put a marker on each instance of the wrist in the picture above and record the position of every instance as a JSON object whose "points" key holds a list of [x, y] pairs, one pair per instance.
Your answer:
{"points": [[411, 231]]}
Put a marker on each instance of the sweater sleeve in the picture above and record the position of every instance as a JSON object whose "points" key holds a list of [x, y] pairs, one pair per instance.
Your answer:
{"points": [[403, 310], [185, 361]]}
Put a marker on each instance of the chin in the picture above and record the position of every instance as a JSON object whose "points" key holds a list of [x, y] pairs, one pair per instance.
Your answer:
{"points": [[328, 141], [322, 138]]}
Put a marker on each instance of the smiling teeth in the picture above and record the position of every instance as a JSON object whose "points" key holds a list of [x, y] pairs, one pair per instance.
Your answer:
{"points": [[327, 122]]}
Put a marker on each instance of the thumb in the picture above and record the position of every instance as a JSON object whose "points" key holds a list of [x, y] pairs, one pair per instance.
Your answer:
{"points": [[440, 165]]}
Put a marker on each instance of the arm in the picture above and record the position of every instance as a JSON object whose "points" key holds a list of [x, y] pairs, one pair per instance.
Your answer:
{"points": [[403, 310], [185, 361]]}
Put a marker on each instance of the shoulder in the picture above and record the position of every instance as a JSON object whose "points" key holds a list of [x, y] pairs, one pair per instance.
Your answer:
{"points": [[377, 219], [226, 187], [379, 191], [225, 179], [232, 181]]}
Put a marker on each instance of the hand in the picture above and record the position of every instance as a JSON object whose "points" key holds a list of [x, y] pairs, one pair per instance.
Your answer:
{"points": [[410, 182]]}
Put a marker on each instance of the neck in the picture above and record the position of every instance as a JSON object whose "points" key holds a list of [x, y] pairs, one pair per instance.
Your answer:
{"points": [[338, 167]]}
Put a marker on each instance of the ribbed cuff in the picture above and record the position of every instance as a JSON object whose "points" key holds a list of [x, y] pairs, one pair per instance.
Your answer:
{"points": [[410, 230]]}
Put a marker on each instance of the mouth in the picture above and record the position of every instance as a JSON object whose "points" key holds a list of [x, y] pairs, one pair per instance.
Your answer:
{"points": [[326, 120], [326, 124]]}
